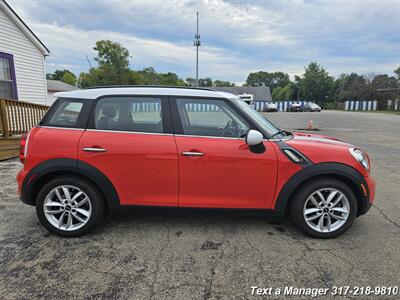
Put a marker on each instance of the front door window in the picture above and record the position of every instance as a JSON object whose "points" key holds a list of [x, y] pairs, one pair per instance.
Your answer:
{"points": [[208, 117]]}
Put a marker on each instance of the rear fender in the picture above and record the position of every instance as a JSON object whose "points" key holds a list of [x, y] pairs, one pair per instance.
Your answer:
{"points": [[49, 169]]}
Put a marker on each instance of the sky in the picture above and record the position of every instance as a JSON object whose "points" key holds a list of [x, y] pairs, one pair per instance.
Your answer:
{"points": [[238, 37]]}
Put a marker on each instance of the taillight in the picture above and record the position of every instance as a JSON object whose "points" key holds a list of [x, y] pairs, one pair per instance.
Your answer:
{"points": [[22, 147]]}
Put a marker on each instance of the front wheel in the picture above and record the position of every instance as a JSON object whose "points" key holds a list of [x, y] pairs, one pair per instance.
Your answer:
{"points": [[324, 208], [69, 206]]}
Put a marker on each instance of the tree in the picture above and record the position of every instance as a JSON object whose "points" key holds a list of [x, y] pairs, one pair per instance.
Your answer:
{"points": [[222, 83], [89, 79], [63, 75], [113, 69], [208, 82], [151, 77], [284, 93], [383, 87], [113, 66], [352, 87], [112, 54], [315, 84], [171, 79], [276, 93], [205, 82], [69, 78], [397, 72], [190, 81], [288, 91], [271, 80]]}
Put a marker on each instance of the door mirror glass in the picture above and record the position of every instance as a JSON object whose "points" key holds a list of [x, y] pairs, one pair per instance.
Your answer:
{"points": [[254, 138]]}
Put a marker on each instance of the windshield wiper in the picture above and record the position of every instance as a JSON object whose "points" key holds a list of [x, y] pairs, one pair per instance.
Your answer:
{"points": [[284, 132]]}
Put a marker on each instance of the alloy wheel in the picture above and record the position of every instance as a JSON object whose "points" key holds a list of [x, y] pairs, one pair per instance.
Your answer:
{"points": [[67, 207], [326, 210]]}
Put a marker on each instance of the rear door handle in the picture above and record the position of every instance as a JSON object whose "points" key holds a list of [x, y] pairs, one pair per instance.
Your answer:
{"points": [[190, 153], [93, 149]]}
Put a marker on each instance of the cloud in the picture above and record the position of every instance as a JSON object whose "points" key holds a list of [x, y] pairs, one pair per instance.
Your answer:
{"points": [[69, 45], [237, 37]]}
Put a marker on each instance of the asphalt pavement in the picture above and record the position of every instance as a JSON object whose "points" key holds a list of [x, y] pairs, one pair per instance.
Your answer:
{"points": [[191, 256]]}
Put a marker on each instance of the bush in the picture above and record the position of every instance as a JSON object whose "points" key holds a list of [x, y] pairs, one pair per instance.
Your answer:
{"points": [[331, 105]]}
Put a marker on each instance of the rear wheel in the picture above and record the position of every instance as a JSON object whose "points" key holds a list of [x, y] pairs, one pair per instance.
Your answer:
{"points": [[69, 206], [324, 208]]}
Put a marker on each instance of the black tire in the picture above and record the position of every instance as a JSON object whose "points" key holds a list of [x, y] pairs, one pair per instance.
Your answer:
{"points": [[300, 198], [95, 198]]}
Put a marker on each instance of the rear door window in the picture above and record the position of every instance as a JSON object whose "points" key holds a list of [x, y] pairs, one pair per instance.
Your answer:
{"points": [[136, 114]]}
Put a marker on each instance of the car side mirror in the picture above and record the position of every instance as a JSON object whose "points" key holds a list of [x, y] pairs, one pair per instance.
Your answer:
{"points": [[254, 138]]}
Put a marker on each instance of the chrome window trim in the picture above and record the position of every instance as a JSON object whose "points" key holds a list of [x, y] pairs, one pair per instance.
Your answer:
{"points": [[211, 137], [288, 138], [155, 133], [64, 128], [127, 131]]}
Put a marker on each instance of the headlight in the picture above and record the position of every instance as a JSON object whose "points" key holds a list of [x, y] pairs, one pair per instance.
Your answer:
{"points": [[361, 157]]}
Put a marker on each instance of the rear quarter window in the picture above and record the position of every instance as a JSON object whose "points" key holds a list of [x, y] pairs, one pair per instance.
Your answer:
{"points": [[70, 113]]}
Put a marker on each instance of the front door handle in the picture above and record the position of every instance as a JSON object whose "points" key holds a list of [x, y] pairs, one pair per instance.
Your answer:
{"points": [[93, 149], [190, 153]]}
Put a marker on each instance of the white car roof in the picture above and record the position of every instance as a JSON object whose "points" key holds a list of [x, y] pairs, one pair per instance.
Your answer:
{"points": [[161, 91]]}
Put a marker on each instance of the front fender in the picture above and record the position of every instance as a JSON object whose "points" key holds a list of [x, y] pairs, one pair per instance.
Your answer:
{"points": [[346, 173]]}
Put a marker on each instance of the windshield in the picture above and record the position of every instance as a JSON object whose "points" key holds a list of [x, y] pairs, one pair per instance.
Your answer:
{"points": [[258, 118]]}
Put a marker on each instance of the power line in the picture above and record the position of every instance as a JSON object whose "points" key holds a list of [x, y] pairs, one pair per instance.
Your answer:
{"points": [[397, 44], [88, 61], [387, 89]]}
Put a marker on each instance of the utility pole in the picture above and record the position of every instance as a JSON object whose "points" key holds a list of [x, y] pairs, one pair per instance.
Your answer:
{"points": [[197, 45]]}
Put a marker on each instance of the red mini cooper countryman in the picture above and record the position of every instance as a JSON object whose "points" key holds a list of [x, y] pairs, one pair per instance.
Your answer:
{"points": [[97, 150]]}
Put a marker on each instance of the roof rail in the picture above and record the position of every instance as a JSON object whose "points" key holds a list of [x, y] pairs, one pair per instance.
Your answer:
{"points": [[148, 86]]}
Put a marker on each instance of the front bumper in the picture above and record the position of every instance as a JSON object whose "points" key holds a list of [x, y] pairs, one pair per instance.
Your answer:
{"points": [[371, 187], [370, 197]]}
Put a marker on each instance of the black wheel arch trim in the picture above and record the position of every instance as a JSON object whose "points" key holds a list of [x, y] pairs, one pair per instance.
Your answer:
{"points": [[339, 170], [71, 166], [80, 168]]}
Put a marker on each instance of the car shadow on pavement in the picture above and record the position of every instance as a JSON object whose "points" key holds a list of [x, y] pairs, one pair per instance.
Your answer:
{"points": [[196, 220]]}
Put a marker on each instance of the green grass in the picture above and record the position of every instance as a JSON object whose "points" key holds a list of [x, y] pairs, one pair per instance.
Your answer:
{"points": [[390, 112]]}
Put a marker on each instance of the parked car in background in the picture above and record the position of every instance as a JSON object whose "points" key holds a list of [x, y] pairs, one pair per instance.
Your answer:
{"points": [[271, 107], [105, 149], [311, 106], [295, 107]]}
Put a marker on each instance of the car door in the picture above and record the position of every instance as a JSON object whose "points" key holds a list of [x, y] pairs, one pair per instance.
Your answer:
{"points": [[216, 166], [130, 140]]}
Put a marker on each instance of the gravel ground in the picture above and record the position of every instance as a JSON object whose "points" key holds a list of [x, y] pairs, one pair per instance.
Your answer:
{"points": [[191, 256]]}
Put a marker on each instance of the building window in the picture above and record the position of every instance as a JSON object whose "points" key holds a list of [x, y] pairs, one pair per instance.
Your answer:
{"points": [[8, 84]]}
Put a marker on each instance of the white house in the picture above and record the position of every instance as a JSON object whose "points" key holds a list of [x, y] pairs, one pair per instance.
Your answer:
{"points": [[22, 54]]}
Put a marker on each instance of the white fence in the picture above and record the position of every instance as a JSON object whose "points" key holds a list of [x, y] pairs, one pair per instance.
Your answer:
{"points": [[282, 105], [361, 105], [393, 104]]}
